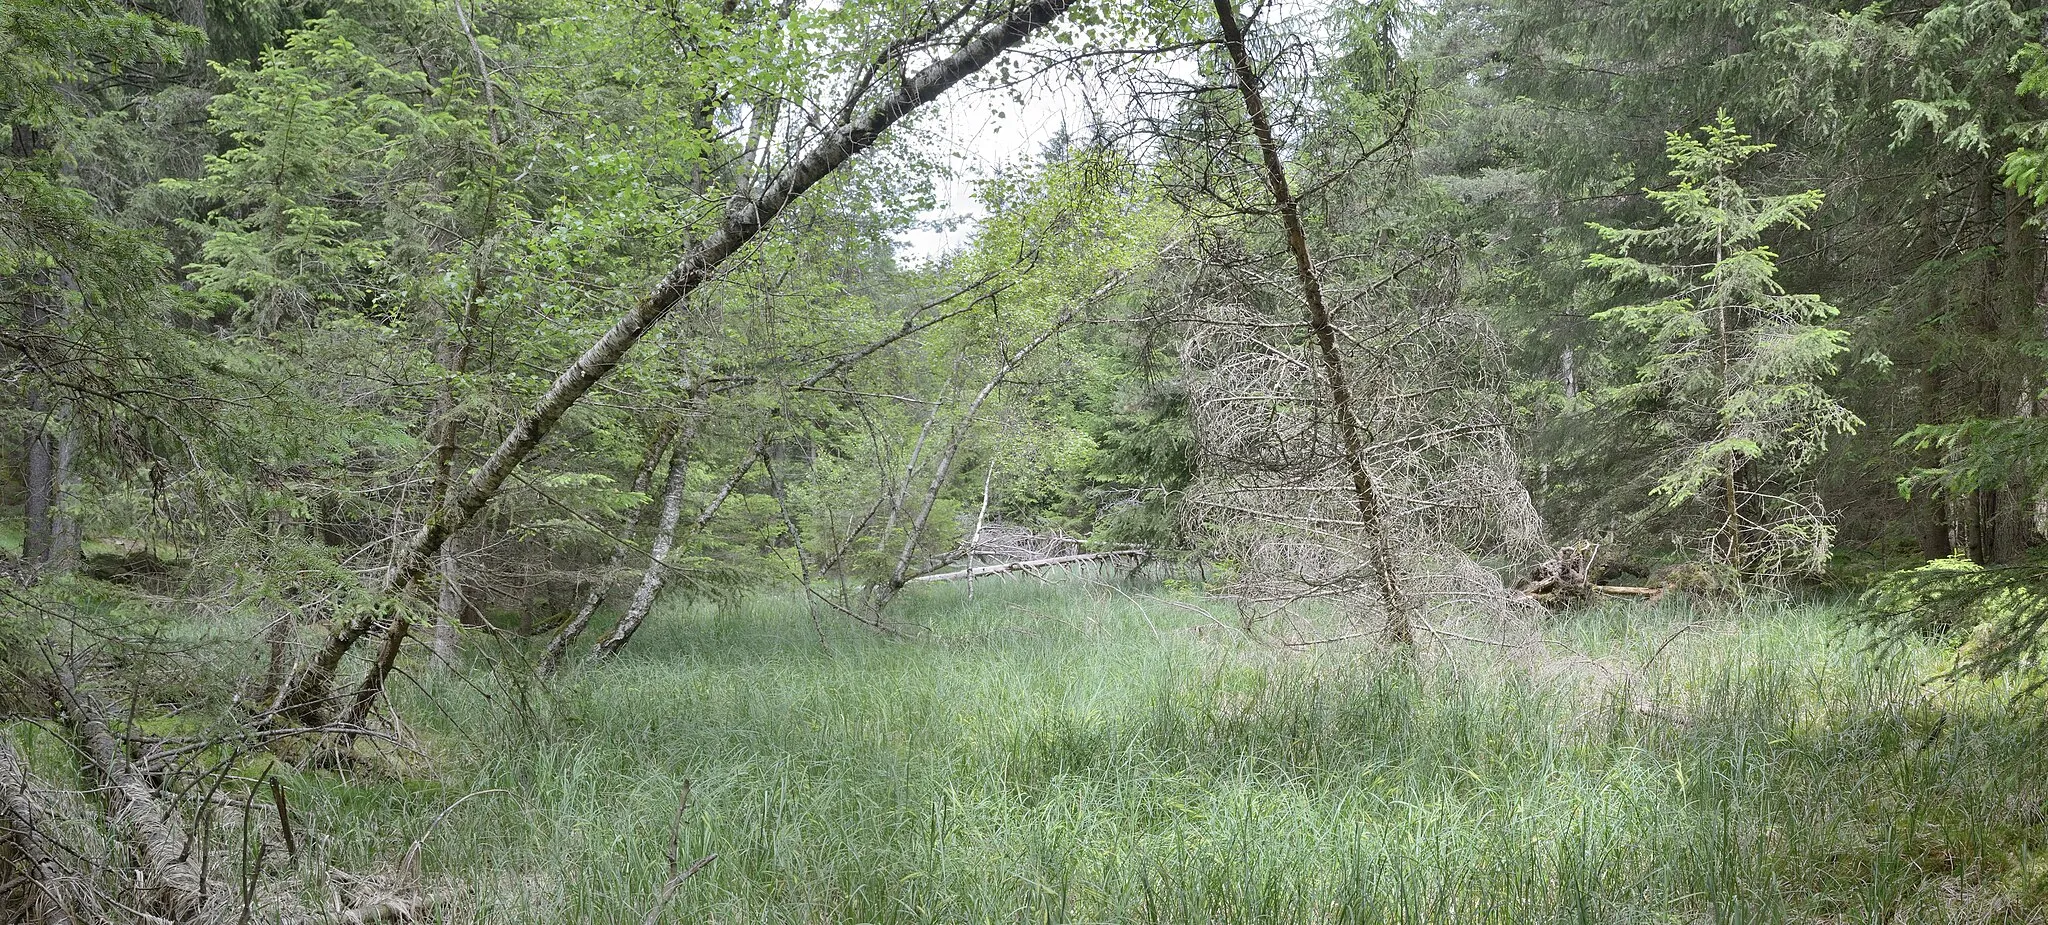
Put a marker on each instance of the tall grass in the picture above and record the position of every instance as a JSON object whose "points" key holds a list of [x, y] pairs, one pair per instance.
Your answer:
{"points": [[1060, 755]]}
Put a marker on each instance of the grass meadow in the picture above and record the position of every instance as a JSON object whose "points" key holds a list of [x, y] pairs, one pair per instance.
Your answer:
{"points": [[1042, 754]]}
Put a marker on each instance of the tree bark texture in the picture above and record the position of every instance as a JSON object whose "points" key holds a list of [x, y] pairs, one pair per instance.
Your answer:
{"points": [[2019, 258], [656, 575], [551, 658], [674, 487], [39, 477]]}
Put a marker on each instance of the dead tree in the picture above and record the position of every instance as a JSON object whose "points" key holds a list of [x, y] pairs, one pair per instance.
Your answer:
{"points": [[304, 696], [1352, 453], [1372, 519]]}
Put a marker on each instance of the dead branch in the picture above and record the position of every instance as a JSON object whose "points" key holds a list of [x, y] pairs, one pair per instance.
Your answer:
{"points": [[23, 831], [677, 873]]}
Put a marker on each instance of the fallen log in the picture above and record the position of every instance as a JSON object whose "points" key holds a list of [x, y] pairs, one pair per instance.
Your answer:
{"points": [[1563, 580], [387, 909], [983, 571], [1629, 591], [151, 829], [1567, 580], [43, 891]]}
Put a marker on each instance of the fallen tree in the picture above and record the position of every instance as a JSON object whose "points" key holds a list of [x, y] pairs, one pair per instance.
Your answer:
{"points": [[34, 885], [1566, 580], [153, 831], [1032, 565]]}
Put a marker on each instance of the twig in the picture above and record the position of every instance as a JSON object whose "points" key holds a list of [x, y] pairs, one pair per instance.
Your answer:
{"points": [[1667, 642], [284, 820], [676, 876]]}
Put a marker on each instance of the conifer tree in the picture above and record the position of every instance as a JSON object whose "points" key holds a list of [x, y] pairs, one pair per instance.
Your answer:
{"points": [[1734, 363]]}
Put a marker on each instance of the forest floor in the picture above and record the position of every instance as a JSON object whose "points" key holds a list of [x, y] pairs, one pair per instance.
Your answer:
{"points": [[1040, 754]]}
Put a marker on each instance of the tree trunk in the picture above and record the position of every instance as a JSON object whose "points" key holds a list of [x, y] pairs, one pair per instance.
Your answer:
{"points": [[1400, 617], [1986, 392], [39, 477], [448, 612], [66, 544], [1931, 506], [652, 580], [2019, 258], [39, 445], [305, 693], [551, 659], [456, 348], [673, 489], [152, 830], [456, 345]]}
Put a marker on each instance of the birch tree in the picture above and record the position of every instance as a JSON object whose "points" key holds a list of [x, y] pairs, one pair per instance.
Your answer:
{"points": [[304, 695]]}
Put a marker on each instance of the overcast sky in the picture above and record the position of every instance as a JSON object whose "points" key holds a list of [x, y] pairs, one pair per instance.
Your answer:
{"points": [[978, 143]]}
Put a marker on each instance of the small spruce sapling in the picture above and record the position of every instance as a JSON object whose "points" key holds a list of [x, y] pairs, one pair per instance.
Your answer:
{"points": [[1734, 364]]}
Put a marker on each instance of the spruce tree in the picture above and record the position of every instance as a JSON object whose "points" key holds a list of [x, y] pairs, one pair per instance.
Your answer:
{"points": [[1733, 363]]}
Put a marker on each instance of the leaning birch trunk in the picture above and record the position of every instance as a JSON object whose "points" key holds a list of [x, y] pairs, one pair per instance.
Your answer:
{"points": [[983, 571], [980, 520], [304, 696], [1365, 489], [899, 491], [455, 354], [551, 658], [652, 580], [673, 488], [151, 829]]}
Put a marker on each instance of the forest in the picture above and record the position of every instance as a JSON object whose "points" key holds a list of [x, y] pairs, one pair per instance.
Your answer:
{"points": [[1050, 461]]}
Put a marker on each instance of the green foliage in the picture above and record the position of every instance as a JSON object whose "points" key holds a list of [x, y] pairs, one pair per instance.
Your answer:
{"points": [[1147, 458], [311, 133], [1980, 454], [46, 44], [1991, 618], [2026, 164], [1734, 364], [47, 222]]}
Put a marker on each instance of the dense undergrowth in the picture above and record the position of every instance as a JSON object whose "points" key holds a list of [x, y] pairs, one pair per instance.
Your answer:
{"points": [[1049, 755]]}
